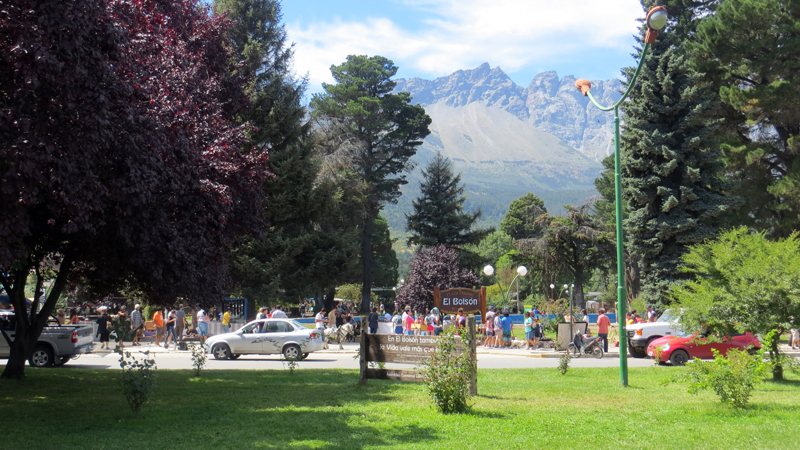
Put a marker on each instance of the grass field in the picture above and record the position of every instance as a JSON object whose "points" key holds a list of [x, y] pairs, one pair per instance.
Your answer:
{"points": [[79, 408]]}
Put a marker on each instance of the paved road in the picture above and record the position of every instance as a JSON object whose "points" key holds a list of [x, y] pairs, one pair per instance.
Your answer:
{"points": [[335, 358]]}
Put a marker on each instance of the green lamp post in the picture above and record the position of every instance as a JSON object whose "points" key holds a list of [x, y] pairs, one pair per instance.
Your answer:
{"points": [[656, 20]]}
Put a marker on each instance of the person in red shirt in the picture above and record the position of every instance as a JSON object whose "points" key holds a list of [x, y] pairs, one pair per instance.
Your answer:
{"points": [[602, 328], [409, 323]]}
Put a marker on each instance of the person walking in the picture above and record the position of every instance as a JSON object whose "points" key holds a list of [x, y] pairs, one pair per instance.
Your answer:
{"points": [[508, 326], [137, 324], [397, 320], [602, 328], [408, 323], [203, 322], [226, 321], [373, 321], [158, 320], [528, 330], [279, 313], [180, 322], [319, 320], [103, 325], [171, 319]]}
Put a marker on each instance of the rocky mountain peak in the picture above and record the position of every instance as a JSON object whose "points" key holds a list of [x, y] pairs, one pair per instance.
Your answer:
{"points": [[550, 103]]}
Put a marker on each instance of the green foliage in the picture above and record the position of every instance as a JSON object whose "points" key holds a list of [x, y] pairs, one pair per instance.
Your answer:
{"points": [[431, 267], [521, 213], [742, 281], [448, 372], [574, 244], [138, 378], [369, 135], [352, 292], [493, 246], [199, 357], [731, 377], [672, 169], [563, 362], [747, 49], [438, 216]]}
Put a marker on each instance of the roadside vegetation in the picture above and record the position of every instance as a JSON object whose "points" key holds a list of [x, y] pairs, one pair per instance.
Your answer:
{"points": [[536, 408]]}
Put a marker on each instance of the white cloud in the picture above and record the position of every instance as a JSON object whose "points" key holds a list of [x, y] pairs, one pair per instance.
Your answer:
{"points": [[460, 34]]}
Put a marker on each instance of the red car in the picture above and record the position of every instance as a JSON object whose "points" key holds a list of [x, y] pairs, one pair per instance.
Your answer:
{"points": [[677, 350]]}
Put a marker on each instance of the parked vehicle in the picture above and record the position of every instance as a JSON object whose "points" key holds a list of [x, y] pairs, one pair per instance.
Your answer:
{"points": [[56, 345], [582, 345], [640, 335], [267, 337], [678, 350]]}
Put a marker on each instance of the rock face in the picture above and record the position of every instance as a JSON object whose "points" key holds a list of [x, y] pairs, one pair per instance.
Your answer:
{"points": [[550, 104]]}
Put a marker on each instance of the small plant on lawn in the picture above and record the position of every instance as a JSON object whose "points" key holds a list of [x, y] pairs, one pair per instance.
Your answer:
{"points": [[198, 357], [732, 377], [138, 378], [291, 363], [563, 362], [448, 371]]}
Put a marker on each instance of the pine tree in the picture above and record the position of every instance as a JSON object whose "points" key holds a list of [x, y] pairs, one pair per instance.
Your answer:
{"points": [[672, 170], [373, 132], [439, 216], [309, 245]]}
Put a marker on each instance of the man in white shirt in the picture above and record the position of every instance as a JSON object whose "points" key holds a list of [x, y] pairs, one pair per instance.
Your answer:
{"points": [[279, 314], [202, 324], [319, 320]]}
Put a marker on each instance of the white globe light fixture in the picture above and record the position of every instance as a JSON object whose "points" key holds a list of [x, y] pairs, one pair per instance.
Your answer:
{"points": [[657, 19], [488, 270], [522, 271]]}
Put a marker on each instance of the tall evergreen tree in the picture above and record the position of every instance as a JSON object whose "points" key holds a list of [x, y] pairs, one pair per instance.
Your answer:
{"points": [[748, 50], [439, 216], [672, 171], [300, 253], [373, 133], [517, 221]]}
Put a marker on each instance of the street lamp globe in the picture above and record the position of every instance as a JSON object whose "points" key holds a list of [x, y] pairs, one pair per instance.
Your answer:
{"points": [[566, 286], [488, 270], [522, 271], [552, 286], [657, 18]]}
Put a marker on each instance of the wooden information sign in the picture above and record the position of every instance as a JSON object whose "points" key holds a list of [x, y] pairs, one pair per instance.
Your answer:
{"points": [[404, 349]]}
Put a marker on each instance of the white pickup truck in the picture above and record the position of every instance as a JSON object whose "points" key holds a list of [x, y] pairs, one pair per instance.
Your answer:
{"points": [[640, 334], [56, 345]]}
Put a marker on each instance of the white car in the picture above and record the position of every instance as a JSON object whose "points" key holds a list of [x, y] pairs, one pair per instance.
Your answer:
{"points": [[267, 337]]}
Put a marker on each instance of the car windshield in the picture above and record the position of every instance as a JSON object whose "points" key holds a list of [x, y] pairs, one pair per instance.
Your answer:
{"points": [[669, 316]]}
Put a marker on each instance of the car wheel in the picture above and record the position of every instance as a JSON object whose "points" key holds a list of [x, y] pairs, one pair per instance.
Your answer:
{"points": [[305, 355], [63, 360], [574, 350], [221, 351], [597, 352], [636, 353], [42, 357], [292, 351], [679, 358], [235, 356]]}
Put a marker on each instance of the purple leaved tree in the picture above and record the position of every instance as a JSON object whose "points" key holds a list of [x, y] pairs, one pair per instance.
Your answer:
{"points": [[119, 158], [431, 267]]}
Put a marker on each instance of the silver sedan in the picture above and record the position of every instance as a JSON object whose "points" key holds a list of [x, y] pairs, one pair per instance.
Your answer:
{"points": [[267, 337]]}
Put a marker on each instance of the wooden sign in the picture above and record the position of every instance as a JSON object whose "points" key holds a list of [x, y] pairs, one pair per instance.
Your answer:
{"points": [[449, 301], [406, 349]]}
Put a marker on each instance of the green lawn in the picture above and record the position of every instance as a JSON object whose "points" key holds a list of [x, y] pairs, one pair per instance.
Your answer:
{"points": [[527, 409]]}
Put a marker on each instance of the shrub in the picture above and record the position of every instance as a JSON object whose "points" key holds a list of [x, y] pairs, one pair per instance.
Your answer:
{"points": [[563, 362], [138, 378], [448, 374], [198, 357], [732, 377]]}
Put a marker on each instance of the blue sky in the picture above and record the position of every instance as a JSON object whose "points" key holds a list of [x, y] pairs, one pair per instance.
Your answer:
{"points": [[431, 38]]}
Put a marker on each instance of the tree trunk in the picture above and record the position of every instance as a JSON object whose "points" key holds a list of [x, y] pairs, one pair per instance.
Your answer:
{"points": [[329, 302], [29, 326], [366, 261], [777, 367]]}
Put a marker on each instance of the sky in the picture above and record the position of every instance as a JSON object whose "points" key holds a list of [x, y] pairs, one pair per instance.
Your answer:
{"points": [[432, 38]]}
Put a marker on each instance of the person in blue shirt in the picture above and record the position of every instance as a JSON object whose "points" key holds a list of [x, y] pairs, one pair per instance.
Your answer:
{"points": [[507, 325]]}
